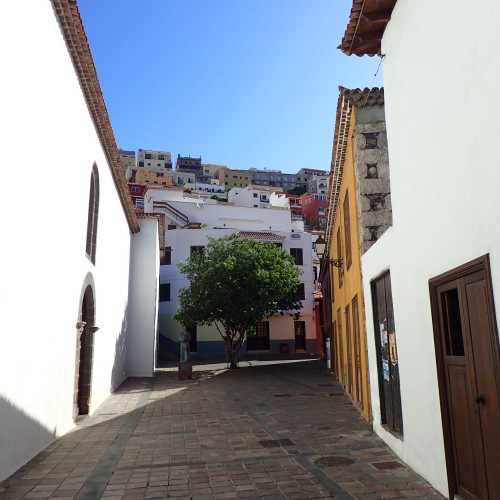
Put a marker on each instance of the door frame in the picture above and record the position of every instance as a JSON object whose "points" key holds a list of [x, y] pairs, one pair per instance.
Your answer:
{"points": [[87, 283], [384, 420], [480, 264], [295, 335]]}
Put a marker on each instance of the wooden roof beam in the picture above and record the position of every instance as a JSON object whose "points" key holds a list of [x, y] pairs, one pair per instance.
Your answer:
{"points": [[377, 17], [369, 36]]}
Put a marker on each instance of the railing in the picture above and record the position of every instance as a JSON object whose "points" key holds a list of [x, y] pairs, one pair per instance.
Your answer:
{"points": [[176, 214]]}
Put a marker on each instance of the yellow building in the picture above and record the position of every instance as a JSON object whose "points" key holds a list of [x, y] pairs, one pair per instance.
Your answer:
{"points": [[359, 157], [214, 171], [236, 178], [148, 177]]}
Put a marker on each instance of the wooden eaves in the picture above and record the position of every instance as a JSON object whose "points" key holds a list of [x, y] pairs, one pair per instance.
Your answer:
{"points": [[74, 35], [365, 28]]}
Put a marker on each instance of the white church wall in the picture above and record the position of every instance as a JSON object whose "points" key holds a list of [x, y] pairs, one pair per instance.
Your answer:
{"points": [[45, 265], [143, 300]]}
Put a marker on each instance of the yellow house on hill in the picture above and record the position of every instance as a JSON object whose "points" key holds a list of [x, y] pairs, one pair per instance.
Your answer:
{"points": [[359, 212]]}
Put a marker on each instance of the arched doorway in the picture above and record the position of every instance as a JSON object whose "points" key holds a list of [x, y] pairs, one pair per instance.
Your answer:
{"points": [[86, 348]]}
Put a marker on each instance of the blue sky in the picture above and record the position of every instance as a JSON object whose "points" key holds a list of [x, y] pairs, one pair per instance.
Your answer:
{"points": [[240, 82]]}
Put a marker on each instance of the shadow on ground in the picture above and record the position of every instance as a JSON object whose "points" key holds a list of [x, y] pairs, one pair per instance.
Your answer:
{"points": [[267, 432]]}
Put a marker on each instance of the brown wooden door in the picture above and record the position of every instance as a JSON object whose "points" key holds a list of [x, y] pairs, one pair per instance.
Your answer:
{"points": [[357, 351], [387, 357], [85, 370], [348, 334], [468, 366], [300, 335], [86, 353]]}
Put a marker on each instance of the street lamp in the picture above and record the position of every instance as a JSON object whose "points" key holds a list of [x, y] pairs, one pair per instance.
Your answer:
{"points": [[320, 246]]}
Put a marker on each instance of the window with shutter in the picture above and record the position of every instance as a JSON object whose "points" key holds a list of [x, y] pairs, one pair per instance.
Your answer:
{"points": [[297, 255], [347, 232], [165, 292], [339, 257], [166, 260]]}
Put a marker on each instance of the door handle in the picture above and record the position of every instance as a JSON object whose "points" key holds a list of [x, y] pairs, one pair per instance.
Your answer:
{"points": [[481, 399]]}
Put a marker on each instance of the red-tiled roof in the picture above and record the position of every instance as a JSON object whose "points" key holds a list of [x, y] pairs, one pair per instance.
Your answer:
{"points": [[262, 236], [76, 41], [366, 26]]}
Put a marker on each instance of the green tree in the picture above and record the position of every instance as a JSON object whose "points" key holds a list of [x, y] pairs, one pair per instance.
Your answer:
{"points": [[235, 283]]}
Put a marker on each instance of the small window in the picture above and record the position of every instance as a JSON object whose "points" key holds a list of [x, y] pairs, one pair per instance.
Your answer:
{"points": [[93, 213], [301, 292], [453, 325], [339, 257], [135, 189], [347, 231], [255, 195], [141, 164], [371, 140], [199, 249], [297, 255], [148, 156], [161, 157], [171, 226], [371, 171], [164, 292], [166, 260], [259, 341]]}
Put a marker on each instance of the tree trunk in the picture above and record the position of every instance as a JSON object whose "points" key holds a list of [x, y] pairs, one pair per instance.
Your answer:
{"points": [[232, 352]]}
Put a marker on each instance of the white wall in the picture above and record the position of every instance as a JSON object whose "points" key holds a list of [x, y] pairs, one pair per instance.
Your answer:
{"points": [[143, 300], [43, 255], [181, 240], [216, 214], [442, 106]]}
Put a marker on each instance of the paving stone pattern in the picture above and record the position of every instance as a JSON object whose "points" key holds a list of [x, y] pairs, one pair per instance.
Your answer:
{"points": [[267, 432]]}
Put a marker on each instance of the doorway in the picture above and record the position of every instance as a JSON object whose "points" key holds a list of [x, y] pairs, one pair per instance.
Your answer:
{"points": [[467, 359], [387, 355], [300, 335], [86, 350], [261, 340]]}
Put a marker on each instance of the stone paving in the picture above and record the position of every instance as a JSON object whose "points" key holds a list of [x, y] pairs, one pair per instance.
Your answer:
{"points": [[277, 432]]}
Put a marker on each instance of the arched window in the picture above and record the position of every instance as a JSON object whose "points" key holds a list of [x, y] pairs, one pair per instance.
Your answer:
{"points": [[93, 214]]}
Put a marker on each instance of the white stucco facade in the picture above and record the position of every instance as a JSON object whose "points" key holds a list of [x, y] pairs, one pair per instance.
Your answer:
{"points": [[46, 268], [219, 220], [222, 215], [142, 313], [256, 197], [440, 84]]}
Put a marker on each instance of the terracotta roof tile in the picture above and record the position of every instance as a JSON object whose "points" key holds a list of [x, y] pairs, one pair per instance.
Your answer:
{"points": [[73, 32], [262, 236]]}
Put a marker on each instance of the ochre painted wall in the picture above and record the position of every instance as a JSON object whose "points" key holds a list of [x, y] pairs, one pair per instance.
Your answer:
{"points": [[350, 361]]}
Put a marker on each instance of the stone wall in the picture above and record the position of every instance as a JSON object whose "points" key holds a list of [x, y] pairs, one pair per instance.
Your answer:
{"points": [[373, 188]]}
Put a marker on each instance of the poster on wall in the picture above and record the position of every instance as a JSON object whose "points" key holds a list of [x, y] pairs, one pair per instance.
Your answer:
{"points": [[385, 367], [393, 353], [383, 335]]}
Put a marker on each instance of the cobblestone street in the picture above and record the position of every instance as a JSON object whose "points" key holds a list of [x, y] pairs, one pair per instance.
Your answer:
{"points": [[267, 432]]}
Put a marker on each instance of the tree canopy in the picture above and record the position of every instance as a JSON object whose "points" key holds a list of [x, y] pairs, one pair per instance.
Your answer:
{"points": [[234, 283]]}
